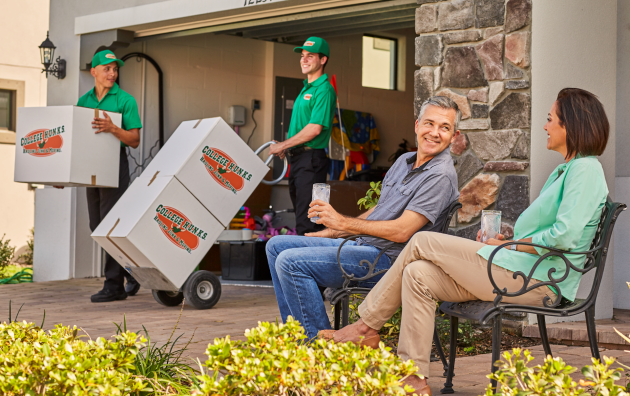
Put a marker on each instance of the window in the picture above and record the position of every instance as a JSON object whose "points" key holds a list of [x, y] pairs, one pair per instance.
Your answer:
{"points": [[379, 62], [7, 110]]}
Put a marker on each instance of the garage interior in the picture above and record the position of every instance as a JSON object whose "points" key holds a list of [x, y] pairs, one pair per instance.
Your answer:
{"points": [[206, 70]]}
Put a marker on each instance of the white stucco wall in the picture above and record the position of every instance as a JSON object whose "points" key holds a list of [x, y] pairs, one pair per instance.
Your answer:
{"points": [[622, 159], [24, 26], [203, 76], [574, 44]]}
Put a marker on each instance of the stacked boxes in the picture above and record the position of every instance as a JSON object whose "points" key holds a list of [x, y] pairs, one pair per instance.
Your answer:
{"points": [[172, 214], [58, 146]]}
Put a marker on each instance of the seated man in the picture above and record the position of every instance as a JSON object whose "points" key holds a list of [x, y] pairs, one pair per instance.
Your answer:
{"points": [[415, 196]]}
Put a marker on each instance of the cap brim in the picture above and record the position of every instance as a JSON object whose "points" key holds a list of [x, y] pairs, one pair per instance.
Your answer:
{"points": [[297, 50]]}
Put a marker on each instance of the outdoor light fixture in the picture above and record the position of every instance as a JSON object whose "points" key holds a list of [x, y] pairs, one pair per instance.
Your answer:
{"points": [[47, 51]]}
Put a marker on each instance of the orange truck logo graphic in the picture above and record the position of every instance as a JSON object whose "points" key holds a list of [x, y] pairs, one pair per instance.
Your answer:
{"points": [[224, 170], [178, 228], [43, 142]]}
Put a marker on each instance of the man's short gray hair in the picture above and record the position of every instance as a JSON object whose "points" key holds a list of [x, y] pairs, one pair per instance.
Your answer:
{"points": [[445, 103]]}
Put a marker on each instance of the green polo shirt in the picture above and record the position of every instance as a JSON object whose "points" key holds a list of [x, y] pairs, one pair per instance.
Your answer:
{"points": [[315, 105], [116, 101]]}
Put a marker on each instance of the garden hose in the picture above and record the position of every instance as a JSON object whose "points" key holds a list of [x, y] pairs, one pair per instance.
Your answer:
{"points": [[24, 276]]}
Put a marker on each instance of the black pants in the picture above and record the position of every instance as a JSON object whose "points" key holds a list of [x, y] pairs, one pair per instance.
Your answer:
{"points": [[307, 168], [100, 201]]}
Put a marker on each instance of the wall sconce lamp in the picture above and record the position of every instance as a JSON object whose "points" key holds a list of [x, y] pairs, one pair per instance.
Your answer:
{"points": [[47, 51]]}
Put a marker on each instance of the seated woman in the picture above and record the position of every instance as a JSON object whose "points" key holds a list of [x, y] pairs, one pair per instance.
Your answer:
{"points": [[442, 267]]}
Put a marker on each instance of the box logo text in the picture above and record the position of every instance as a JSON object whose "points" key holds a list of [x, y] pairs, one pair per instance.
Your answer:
{"points": [[43, 142], [178, 228], [224, 170]]}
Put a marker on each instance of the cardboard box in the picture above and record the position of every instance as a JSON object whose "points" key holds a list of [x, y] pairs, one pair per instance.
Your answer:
{"points": [[213, 163], [57, 146], [159, 232]]}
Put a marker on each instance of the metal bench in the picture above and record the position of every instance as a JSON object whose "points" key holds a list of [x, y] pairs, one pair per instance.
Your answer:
{"points": [[340, 298], [490, 312]]}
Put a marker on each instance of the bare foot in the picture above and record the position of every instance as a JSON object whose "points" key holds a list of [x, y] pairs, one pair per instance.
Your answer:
{"points": [[354, 332], [419, 384]]}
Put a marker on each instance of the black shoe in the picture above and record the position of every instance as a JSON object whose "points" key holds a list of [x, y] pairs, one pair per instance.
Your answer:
{"points": [[132, 287], [108, 295]]}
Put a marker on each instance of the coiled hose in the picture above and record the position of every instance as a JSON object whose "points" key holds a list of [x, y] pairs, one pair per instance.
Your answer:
{"points": [[24, 276]]}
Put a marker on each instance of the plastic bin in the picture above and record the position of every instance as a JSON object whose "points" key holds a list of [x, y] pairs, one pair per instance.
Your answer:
{"points": [[244, 260]]}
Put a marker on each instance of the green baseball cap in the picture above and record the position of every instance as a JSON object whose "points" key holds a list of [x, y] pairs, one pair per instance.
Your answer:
{"points": [[314, 44], [105, 58]]}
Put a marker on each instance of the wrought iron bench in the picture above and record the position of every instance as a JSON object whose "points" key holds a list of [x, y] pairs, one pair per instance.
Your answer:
{"points": [[340, 298], [490, 312]]}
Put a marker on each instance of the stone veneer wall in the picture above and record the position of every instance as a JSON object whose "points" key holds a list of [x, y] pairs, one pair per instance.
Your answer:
{"points": [[477, 52]]}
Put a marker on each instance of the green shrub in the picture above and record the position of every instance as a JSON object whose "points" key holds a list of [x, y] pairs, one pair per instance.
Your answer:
{"points": [[161, 365], [58, 362], [371, 196], [553, 377], [467, 334], [27, 256], [6, 253], [9, 271], [276, 359]]}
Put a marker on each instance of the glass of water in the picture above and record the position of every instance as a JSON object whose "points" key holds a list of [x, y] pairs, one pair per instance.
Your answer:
{"points": [[490, 224], [320, 191]]}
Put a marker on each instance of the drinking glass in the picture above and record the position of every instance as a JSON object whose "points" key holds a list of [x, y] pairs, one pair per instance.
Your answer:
{"points": [[490, 224], [320, 191]]}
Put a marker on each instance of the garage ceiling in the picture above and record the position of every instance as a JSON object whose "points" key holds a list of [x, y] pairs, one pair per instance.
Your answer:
{"points": [[340, 21]]}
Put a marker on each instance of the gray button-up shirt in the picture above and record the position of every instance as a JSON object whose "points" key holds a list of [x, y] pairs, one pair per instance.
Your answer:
{"points": [[428, 190]]}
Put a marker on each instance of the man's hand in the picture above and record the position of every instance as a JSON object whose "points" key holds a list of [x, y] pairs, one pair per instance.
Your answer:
{"points": [[326, 233], [131, 137], [104, 125], [327, 215], [277, 149]]}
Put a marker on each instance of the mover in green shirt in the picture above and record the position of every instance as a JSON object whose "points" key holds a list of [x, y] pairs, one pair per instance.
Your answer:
{"points": [[309, 131], [107, 95]]}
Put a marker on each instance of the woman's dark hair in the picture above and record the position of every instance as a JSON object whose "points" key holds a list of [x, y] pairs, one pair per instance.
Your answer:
{"points": [[584, 118]]}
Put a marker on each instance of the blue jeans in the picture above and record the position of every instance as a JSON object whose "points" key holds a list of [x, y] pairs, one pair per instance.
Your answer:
{"points": [[300, 264]]}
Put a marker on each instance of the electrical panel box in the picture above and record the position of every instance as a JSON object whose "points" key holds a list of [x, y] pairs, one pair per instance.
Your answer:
{"points": [[237, 115]]}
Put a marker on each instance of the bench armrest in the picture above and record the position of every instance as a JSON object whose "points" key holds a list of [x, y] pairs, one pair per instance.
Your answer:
{"points": [[553, 282], [371, 265]]}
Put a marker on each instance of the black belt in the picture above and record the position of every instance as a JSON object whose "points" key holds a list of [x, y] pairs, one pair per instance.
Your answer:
{"points": [[293, 151]]}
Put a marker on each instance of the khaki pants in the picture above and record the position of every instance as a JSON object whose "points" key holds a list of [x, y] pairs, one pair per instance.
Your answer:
{"points": [[436, 266]]}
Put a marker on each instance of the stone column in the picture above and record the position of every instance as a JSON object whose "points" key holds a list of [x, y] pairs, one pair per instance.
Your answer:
{"points": [[477, 52]]}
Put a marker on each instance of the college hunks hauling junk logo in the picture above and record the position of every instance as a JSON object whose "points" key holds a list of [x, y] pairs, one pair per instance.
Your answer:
{"points": [[178, 228], [43, 142], [224, 170]]}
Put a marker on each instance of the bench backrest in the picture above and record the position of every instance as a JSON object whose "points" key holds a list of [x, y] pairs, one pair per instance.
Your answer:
{"points": [[601, 242], [452, 208]]}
